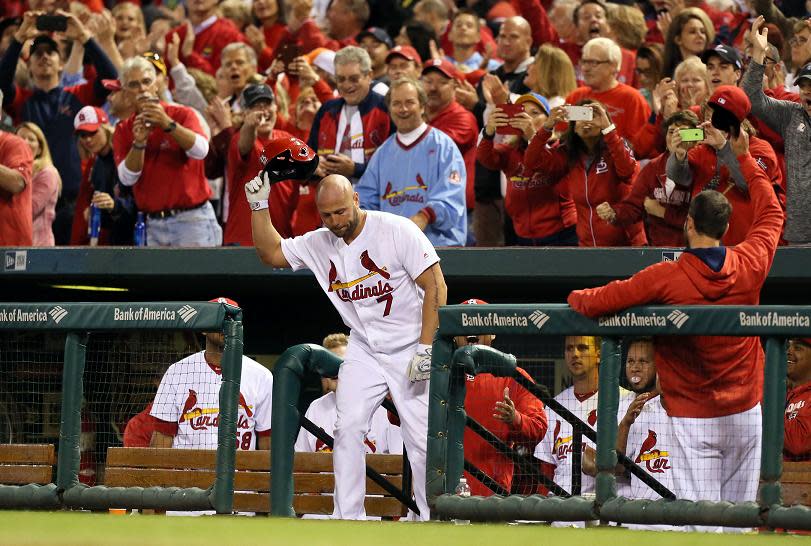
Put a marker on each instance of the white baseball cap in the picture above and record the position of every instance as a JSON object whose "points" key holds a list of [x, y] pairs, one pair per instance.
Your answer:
{"points": [[89, 119]]}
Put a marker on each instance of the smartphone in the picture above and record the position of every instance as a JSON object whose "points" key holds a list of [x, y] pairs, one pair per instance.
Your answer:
{"points": [[579, 113], [288, 52], [691, 135], [511, 110], [52, 23]]}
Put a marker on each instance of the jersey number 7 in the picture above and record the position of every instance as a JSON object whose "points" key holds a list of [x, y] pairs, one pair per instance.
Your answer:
{"points": [[388, 298]]}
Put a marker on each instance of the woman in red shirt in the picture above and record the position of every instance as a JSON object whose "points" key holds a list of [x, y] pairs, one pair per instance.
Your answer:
{"points": [[596, 165], [541, 215]]}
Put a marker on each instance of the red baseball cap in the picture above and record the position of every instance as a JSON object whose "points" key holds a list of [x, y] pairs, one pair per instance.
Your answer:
{"points": [[733, 100], [804, 340], [444, 66], [406, 52], [474, 301], [111, 85], [89, 119], [221, 299]]}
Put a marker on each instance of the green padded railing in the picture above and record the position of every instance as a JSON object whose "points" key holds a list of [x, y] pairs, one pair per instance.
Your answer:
{"points": [[79, 319], [446, 412]]}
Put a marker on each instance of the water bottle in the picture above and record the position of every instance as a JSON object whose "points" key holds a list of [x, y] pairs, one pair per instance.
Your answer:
{"points": [[95, 225], [462, 490], [140, 230]]}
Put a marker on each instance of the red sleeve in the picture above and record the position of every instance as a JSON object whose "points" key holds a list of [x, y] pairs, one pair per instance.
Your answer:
{"points": [[17, 156], [539, 157], [797, 439], [532, 422], [310, 37], [642, 288], [164, 427], [625, 166], [490, 157], [122, 142], [761, 241], [632, 209], [188, 119], [323, 91], [138, 432], [542, 30], [215, 161], [282, 204], [649, 140], [463, 131]]}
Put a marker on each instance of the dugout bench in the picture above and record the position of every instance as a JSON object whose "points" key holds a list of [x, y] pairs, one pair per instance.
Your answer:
{"points": [[313, 478], [22, 464]]}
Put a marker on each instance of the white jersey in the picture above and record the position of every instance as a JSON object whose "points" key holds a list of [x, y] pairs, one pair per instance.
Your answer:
{"points": [[556, 446], [189, 396], [650, 445], [370, 281], [383, 437]]}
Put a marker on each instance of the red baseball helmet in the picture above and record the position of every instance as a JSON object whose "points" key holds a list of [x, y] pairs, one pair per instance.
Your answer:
{"points": [[288, 159]]}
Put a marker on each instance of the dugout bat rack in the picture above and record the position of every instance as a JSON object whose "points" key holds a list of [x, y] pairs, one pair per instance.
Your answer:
{"points": [[446, 418], [77, 321]]}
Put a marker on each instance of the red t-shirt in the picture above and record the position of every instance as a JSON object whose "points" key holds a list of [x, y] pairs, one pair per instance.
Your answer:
{"points": [[626, 106], [797, 441], [459, 123], [169, 179], [238, 171], [208, 44], [16, 213]]}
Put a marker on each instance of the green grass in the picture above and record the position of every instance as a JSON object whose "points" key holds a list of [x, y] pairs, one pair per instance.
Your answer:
{"points": [[57, 528]]}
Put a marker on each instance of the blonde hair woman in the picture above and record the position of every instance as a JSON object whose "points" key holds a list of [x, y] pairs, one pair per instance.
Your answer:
{"points": [[692, 83], [551, 75], [46, 184]]}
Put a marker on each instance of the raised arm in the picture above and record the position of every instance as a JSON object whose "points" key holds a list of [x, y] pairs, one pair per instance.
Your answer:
{"points": [[266, 239]]}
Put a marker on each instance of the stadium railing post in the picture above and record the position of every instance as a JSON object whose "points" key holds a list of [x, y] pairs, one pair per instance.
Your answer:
{"points": [[608, 403], [287, 376], [223, 491], [67, 466], [437, 471], [774, 397]]}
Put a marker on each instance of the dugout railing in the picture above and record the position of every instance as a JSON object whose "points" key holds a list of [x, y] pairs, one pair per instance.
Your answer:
{"points": [[447, 417], [80, 320]]}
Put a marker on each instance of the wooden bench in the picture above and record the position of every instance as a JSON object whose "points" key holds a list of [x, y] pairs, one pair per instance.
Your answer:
{"points": [[796, 482], [21, 464], [312, 477]]}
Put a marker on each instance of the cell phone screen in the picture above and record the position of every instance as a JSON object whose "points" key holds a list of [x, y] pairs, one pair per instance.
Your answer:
{"points": [[511, 110], [52, 23]]}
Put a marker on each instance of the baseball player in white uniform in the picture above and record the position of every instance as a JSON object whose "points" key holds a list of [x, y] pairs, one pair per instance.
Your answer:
{"points": [[187, 406], [582, 356], [382, 275]]}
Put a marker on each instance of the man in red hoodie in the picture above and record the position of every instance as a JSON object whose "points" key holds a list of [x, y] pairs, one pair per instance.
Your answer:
{"points": [[797, 443], [504, 408], [713, 385]]}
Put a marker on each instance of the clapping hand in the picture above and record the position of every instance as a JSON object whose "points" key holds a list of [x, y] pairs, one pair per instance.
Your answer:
{"points": [[606, 212]]}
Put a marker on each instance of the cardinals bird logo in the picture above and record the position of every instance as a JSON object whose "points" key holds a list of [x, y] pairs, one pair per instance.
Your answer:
{"points": [[244, 405], [367, 262], [654, 459], [389, 193], [592, 418], [191, 401]]}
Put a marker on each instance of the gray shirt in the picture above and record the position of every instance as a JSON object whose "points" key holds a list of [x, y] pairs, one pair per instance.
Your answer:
{"points": [[791, 121]]}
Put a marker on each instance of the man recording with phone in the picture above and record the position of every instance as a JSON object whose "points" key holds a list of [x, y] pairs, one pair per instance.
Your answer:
{"points": [[712, 166], [48, 104]]}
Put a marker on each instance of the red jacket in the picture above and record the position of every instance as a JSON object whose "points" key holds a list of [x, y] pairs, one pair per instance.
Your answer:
{"points": [[208, 44], [16, 212], [607, 179], [274, 34], [459, 123], [652, 182], [705, 376], [537, 209], [483, 392], [797, 439], [625, 105], [703, 161]]}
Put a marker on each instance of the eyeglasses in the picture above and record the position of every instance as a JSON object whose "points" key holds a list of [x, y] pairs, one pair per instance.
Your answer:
{"points": [[592, 63], [355, 78], [135, 85], [798, 41]]}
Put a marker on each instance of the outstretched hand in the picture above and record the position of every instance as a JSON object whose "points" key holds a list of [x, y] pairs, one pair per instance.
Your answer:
{"points": [[759, 38]]}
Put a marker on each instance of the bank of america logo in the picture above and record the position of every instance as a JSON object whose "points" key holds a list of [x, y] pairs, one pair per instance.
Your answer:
{"points": [[678, 318], [187, 312], [58, 313], [539, 318]]}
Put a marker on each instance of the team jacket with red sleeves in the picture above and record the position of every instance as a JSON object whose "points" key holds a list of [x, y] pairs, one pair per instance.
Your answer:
{"points": [[457, 122], [652, 182], [705, 376], [607, 179], [537, 209], [705, 167], [208, 44], [797, 422], [377, 127], [483, 391]]}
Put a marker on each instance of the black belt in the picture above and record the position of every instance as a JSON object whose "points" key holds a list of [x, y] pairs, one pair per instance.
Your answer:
{"points": [[168, 213]]}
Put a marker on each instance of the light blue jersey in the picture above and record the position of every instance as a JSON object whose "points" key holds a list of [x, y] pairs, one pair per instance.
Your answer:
{"points": [[429, 174]]}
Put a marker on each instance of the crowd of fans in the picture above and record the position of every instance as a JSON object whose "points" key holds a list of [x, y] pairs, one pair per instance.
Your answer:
{"points": [[456, 115]]}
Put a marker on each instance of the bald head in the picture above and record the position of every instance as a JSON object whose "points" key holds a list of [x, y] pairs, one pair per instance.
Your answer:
{"points": [[337, 205], [519, 24], [514, 41]]}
